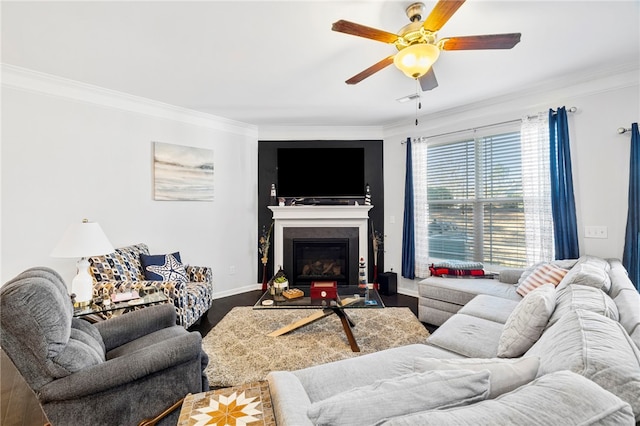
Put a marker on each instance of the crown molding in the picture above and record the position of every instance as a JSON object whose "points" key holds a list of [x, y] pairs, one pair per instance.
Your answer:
{"points": [[320, 132], [571, 85], [36, 82]]}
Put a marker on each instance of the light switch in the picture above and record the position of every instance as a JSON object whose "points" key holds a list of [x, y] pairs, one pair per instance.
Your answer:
{"points": [[595, 232]]}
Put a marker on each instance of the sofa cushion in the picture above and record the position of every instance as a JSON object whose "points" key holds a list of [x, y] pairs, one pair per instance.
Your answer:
{"points": [[555, 399], [468, 336], [591, 299], [401, 395], [590, 271], [461, 290], [593, 346], [163, 267], [527, 321], [506, 374], [543, 274], [121, 265], [490, 307], [325, 380]]}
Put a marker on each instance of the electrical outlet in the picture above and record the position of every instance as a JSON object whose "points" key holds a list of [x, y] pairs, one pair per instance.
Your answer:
{"points": [[595, 232], [232, 270]]}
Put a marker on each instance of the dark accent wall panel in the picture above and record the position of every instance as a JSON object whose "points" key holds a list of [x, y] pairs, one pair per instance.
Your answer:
{"points": [[374, 176]]}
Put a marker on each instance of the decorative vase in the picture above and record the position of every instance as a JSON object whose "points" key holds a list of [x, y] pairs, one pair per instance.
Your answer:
{"points": [[375, 276], [264, 277]]}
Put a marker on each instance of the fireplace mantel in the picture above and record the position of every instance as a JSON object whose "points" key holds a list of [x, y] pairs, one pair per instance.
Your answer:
{"points": [[318, 217]]}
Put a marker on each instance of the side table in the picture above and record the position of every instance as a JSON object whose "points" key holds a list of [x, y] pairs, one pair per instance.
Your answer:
{"points": [[248, 404], [98, 312]]}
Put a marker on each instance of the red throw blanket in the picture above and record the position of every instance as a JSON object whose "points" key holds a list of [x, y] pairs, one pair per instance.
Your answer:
{"points": [[436, 272]]}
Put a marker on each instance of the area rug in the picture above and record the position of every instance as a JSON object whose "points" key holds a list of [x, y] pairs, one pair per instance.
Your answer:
{"points": [[241, 352]]}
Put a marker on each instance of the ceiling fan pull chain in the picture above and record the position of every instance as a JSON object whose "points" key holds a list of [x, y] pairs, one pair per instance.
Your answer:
{"points": [[418, 101]]}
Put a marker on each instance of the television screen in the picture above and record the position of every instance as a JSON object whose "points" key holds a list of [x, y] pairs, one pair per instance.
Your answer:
{"points": [[320, 172]]}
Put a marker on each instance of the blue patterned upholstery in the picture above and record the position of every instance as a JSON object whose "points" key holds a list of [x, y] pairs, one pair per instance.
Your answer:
{"points": [[122, 271]]}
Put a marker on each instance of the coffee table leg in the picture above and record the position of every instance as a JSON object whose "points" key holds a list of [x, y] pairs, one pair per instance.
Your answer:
{"points": [[346, 325], [301, 323]]}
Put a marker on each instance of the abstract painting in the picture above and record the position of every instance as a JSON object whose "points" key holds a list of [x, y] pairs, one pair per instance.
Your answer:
{"points": [[182, 173]]}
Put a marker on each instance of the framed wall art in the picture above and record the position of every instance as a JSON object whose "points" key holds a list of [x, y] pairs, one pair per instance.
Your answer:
{"points": [[182, 173]]}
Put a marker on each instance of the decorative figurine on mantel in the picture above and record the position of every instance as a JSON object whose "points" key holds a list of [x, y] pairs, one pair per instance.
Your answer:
{"points": [[273, 201], [367, 195]]}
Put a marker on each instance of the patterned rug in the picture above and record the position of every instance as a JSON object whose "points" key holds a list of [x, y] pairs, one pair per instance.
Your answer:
{"points": [[241, 352]]}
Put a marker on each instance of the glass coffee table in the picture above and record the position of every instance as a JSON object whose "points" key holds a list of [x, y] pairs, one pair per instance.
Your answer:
{"points": [[348, 298]]}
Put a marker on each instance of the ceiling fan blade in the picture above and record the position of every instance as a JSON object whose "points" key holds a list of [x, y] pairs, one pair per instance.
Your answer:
{"points": [[363, 31], [488, 41], [441, 13], [371, 70], [428, 81]]}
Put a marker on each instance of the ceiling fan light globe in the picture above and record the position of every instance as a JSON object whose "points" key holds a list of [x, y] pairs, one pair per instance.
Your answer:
{"points": [[415, 60]]}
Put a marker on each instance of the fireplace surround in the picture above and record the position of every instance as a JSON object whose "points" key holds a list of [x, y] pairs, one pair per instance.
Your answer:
{"points": [[334, 228]]}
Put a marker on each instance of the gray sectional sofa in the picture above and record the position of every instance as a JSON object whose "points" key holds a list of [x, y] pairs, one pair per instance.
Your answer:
{"points": [[565, 353]]}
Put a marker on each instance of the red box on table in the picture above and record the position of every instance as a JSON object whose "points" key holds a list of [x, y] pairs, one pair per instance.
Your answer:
{"points": [[324, 289]]}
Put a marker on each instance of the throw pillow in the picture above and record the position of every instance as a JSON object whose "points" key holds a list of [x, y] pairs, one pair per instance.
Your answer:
{"points": [[506, 374], [164, 267], [543, 274], [587, 274], [527, 321], [401, 395]]}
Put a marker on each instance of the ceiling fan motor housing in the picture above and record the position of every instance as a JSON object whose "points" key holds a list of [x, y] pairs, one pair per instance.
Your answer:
{"points": [[415, 11], [414, 33]]}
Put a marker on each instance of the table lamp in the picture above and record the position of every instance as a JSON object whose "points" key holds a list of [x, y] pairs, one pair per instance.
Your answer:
{"points": [[83, 240]]}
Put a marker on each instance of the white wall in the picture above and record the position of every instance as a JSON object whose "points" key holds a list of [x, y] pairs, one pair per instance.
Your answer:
{"points": [[71, 151], [600, 156]]}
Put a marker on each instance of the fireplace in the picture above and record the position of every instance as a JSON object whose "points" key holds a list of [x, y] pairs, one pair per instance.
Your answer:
{"points": [[331, 234], [320, 259]]}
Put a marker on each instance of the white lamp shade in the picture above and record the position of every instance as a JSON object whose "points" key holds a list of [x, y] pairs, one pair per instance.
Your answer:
{"points": [[83, 240], [415, 60]]}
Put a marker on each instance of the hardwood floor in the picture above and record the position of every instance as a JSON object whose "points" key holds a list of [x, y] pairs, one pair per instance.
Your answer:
{"points": [[18, 404]]}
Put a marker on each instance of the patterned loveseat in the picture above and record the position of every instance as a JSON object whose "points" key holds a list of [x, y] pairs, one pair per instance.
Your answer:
{"points": [[122, 271]]}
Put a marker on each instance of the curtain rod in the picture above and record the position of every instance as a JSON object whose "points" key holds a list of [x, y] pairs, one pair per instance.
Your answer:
{"points": [[571, 109], [622, 130]]}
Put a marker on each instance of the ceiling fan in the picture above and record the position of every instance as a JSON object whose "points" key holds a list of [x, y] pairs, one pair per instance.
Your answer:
{"points": [[418, 44]]}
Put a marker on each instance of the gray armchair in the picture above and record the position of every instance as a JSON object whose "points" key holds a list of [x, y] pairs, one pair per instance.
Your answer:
{"points": [[119, 371]]}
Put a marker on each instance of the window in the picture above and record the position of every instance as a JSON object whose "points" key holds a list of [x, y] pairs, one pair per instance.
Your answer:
{"points": [[475, 200]]}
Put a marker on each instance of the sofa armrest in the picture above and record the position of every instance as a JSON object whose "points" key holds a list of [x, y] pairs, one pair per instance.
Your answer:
{"points": [[125, 328], [199, 274], [510, 276], [125, 369]]}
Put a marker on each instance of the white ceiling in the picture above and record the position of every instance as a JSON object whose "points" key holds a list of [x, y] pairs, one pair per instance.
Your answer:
{"points": [[279, 63]]}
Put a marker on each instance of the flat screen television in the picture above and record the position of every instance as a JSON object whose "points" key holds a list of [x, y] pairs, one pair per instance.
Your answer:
{"points": [[320, 172]]}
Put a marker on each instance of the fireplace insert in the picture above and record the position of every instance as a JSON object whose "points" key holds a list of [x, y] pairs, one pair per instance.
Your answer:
{"points": [[320, 259]]}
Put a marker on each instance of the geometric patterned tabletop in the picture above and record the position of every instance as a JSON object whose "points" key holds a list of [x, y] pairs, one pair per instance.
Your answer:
{"points": [[244, 405]]}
